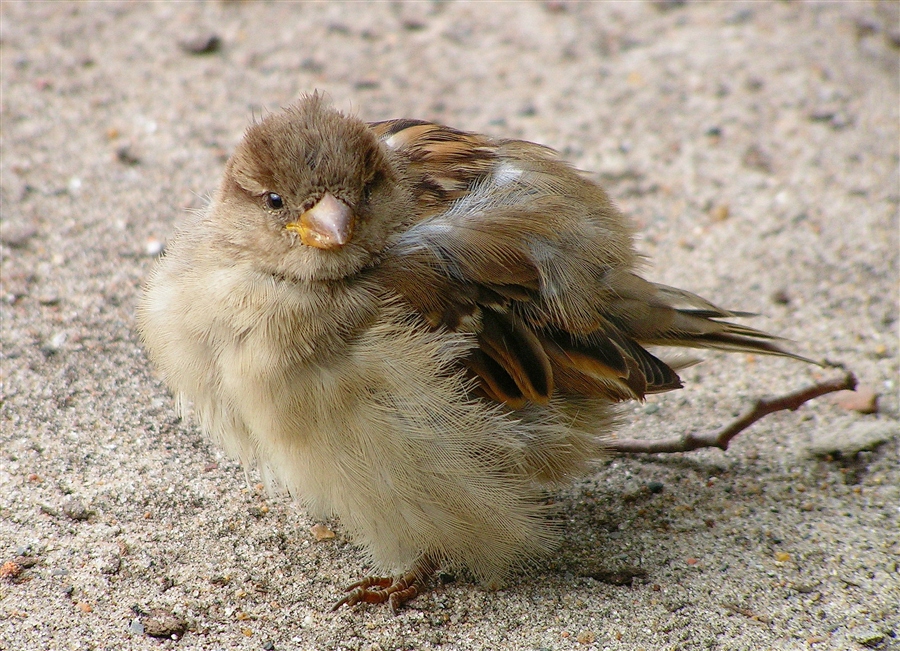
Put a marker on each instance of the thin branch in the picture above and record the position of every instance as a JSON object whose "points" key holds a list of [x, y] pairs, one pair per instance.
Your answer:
{"points": [[721, 439]]}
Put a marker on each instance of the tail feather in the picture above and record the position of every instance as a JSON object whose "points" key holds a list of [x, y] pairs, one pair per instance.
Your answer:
{"points": [[693, 331]]}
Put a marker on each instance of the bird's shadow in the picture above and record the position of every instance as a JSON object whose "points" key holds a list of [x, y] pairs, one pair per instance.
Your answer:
{"points": [[603, 521]]}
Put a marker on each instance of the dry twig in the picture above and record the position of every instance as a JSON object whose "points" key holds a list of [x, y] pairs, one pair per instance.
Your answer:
{"points": [[721, 439]]}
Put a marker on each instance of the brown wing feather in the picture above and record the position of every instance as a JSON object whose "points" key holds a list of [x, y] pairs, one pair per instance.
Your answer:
{"points": [[443, 162], [514, 245], [519, 353]]}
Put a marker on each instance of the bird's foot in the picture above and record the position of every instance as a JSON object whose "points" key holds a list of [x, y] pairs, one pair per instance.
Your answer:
{"points": [[381, 589], [378, 589]]}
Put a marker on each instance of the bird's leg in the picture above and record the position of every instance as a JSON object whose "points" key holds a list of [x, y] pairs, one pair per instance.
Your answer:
{"points": [[395, 591]]}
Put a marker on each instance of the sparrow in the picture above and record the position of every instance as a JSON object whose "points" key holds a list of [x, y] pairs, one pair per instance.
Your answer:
{"points": [[416, 329]]}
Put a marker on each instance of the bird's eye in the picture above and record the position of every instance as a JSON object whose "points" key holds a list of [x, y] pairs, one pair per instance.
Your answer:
{"points": [[369, 187], [274, 201]]}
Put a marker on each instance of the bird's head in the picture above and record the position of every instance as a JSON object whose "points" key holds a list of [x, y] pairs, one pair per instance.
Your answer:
{"points": [[310, 193]]}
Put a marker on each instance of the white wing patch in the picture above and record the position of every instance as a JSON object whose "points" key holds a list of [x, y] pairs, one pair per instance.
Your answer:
{"points": [[506, 173], [396, 140]]}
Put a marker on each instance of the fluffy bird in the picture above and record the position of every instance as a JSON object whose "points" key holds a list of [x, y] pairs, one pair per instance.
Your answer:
{"points": [[416, 329]]}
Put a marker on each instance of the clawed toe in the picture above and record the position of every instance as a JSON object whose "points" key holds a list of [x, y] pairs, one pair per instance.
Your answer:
{"points": [[370, 590], [380, 589]]}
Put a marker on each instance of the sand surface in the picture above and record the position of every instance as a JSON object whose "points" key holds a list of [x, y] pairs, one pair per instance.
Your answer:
{"points": [[754, 144]]}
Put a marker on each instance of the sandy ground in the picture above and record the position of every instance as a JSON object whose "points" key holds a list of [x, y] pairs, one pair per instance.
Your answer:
{"points": [[756, 146]]}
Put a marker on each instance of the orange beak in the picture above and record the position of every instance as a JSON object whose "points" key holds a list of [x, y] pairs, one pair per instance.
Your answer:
{"points": [[327, 225]]}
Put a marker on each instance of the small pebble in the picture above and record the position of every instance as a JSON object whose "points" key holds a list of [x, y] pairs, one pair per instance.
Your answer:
{"points": [[76, 510], [757, 159], [821, 114], [868, 637], [864, 400], [55, 344], [125, 155], [620, 576], [586, 637], [720, 213], [201, 44], [10, 570], [665, 5], [555, 6], [161, 623], [321, 532], [781, 297], [16, 236], [26, 561], [111, 564], [414, 25]]}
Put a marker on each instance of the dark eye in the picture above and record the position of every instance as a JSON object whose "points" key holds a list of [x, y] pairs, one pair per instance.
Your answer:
{"points": [[369, 187], [274, 201]]}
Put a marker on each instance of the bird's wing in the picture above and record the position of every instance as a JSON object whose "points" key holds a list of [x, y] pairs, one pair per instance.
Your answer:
{"points": [[519, 248]]}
